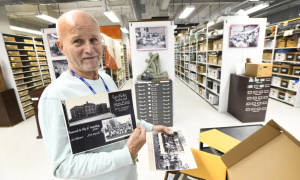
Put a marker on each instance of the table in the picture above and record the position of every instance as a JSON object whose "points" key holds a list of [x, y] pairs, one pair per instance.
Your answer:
{"points": [[237, 132]]}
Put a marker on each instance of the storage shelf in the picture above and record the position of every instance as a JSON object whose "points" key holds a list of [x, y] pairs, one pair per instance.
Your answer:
{"points": [[24, 61], [25, 72], [213, 65], [214, 78], [27, 77], [13, 42], [28, 82], [203, 74], [287, 75], [282, 88], [24, 66], [39, 44], [282, 101], [289, 48], [20, 50], [292, 62], [214, 92], [27, 105], [201, 84], [201, 63], [21, 55]]}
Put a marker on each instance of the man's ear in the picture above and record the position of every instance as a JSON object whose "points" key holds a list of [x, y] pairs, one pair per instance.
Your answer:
{"points": [[60, 46]]}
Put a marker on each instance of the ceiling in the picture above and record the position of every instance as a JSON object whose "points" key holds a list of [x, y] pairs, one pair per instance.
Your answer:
{"points": [[21, 12]]}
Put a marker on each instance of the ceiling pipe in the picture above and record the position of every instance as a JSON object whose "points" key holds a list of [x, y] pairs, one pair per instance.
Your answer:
{"points": [[136, 6], [272, 6]]}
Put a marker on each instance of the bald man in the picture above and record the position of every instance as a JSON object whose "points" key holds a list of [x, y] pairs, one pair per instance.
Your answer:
{"points": [[80, 41]]}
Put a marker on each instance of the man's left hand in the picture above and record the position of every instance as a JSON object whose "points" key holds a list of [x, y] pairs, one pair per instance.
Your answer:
{"points": [[159, 128]]}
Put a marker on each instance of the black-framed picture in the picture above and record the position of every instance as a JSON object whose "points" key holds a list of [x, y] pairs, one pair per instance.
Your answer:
{"points": [[151, 38], [244, 36], [59, 67], [55, 51]]}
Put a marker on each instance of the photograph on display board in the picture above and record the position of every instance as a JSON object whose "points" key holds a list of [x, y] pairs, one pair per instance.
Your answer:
{"points": [[98, 120], [55, 51], [244, 36], [59, 67], [151, 38]]}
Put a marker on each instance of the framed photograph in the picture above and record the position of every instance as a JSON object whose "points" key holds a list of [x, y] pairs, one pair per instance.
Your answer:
{"points": [[59, 67], [55, 51], [244, 36], [151, 38]]}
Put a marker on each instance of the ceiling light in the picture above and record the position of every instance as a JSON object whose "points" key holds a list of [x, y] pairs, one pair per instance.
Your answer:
{"points": [[175, 26], [124, 30], [187, 11], [111, 16], [25, 30], [46, 17], [254, 0], [257, 8]]}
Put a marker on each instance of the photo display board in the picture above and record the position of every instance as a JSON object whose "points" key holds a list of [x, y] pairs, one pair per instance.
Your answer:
{"points": [[98, 120]]}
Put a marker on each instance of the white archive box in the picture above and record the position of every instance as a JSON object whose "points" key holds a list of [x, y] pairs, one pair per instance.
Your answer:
{"points": [[201, 58], [290, 98], [209, 72], [213, 99], [276, 81], [215, 86], [274, 93], [215, 73], [279, 57], [294, 85]]}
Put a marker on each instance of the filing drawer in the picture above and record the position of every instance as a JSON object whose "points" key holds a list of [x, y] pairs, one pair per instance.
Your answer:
{"points": [[159, 93], [29, 113], [257, 98], [258, 92], [164, 123], [255, 110], [260, 81], [254, 104], [160, 100]]}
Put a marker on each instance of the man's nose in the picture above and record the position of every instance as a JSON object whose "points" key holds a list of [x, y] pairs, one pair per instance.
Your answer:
{"points": [[88, 48]]}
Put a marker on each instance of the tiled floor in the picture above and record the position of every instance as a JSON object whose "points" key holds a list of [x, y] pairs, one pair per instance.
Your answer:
{"points": [[22, 157]]}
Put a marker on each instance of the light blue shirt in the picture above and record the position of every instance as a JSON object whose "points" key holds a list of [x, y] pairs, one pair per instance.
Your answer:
{"points": [[112, 162]]}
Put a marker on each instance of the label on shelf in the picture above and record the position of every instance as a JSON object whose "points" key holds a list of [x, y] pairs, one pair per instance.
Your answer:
{"points": [[285, 23], [288, 32]]}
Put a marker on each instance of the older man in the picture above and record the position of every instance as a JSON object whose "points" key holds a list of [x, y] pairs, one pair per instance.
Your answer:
{"points": [[80, 41]]}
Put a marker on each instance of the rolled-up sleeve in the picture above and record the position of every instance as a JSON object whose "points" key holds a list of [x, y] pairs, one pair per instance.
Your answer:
{"points": [[146, 125]]}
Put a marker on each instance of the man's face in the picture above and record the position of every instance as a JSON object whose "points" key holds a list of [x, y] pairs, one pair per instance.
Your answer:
{"points": [[82, 46]]}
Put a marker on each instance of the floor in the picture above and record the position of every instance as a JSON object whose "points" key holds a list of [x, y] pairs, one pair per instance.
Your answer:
{"points": [[22, 157]]}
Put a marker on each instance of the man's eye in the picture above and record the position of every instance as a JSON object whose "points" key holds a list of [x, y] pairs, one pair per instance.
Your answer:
{"points": [[77, 41], [94, 40]]}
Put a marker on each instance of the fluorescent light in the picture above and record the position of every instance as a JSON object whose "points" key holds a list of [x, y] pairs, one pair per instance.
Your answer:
{"points": [[111, 16], [257, 8], [137, 34], [187, 11], [175, 26], [254, 0], [25, 30], [124, 30], [54, 36], [46, 17]]}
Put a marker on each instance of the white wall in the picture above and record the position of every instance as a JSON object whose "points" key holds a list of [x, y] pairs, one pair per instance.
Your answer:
{"points": [[4, 22]]}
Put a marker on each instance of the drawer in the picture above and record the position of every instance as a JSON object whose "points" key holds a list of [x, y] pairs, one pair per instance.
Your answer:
{"points": [[160, 97], [255, 110], [27, 108], [160, 100], [255, 104], [23, 93], [29, 113], [46, 76], [25, 98], [260, 81], [168, 123], [18, 76], [44, 67], [47, 81], [45, 72], [39, 48], [43, 62], [19, 82], [258, 87], [26, 103], [257, 98], [19, 64], [159, 93], [258, 92], [16, 53], [21, 87]]}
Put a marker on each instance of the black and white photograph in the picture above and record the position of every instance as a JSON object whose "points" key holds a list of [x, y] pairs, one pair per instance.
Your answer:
{"points": [[117, 127], [88, 109], [171, 143], [59, 67], [55, 51], [151, 38], [175, 157], [244, 36], [182, 176]]}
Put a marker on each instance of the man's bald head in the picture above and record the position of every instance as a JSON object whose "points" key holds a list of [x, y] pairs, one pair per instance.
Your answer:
{"points": [[71, 19]]}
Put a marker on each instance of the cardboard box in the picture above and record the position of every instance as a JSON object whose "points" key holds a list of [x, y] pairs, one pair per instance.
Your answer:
{"points": [[292, 41], [15, 58], [200, 79], [26, 103], [31, 53], [41, 53], [274, 92], [281, 94], [281, 42], [19, 82], [200, 90], [8, 38], [276, 81], [284, 83], [39, 48], [292, 56], [27, 108], [290, 97], [216, 45], [296, 70], [43, 62], [36, 78], [49, 80], [11, 47], [286, 69], [31, 58], [276, 68], [23, 93], [25, 98], [279, 56], [18, 76], [42, 58], [28, 41], [38, 42], [20, 88], [19, 64], [33, 63], [16, 53], [220, 60], [29, 113], [46, 76], [259, 69], [32, 74], [294, 85], [216, 86], [28, 47], [220, 47], [267, 55], [201, 69]]}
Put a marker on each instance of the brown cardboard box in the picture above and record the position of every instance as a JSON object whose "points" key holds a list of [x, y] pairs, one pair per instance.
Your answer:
{"points": [[31, 58], [29, 113], [286, 69], [291, 92], [220, 47], [271, 153], [41, 53], [11, 47], [45, 72], [281, 94], [276, 68], [8, 38], [38, 42], [43, 62], [281, 42], [32, 74], [210, 46], [26, 103], [15, 58], [20, 82], [216, 45], [259, 69], [201, 69], [292, 41], [18, 76], [27, 108], [284, 83], [39, 48], [296, 70], [31, 53], [200, 79], [220, 60], [16, 53], [28, 41], [46, 76], [267, 55], [21, 87], [28, 47], [25, 98], [47, 81], [34, 63], [23, 93], [292, 56], [16, 64]]}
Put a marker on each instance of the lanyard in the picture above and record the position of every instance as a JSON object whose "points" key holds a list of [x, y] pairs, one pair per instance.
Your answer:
{"points": [[86, 83]]}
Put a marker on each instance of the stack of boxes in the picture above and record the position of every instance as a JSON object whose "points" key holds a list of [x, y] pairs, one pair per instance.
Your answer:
{"points": [[214, 73], [286, 69], [215, 59]]}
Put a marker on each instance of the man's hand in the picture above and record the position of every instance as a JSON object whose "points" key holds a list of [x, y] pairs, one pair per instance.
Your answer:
{"points": [[136, 140], [159, 128]]}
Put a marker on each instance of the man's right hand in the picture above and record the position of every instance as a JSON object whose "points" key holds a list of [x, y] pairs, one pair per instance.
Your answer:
{"points": [[136, 140]]}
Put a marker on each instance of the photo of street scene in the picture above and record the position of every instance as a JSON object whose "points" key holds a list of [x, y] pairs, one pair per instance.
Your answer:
{"points": [[117, 127]]}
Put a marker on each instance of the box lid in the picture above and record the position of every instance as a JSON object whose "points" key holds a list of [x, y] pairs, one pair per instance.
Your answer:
{"points": [[269, 153]]}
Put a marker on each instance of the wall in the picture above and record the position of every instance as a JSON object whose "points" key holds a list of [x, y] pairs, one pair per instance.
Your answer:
{"points": [[4, 22]]}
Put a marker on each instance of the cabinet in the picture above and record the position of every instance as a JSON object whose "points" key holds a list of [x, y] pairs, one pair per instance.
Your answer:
{"points": [[154, 101], [248, 97]]}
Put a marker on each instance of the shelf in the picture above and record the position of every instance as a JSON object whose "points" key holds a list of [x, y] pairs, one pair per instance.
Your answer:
{"points": [[283, 88], [30, 116], [27, 77], [214, 78], [20, 50], [214, 51], [201, 63], [27, 105], [40, 50], [39, 44], [21, 56], [193, 71], [30, 87], [218, 25], [24, 66], [28, 110], [14, 35], [292, 62], [26, 72], [214, 92], [24, 61], [268, 48], [28, 82], [269, 37], [287, 75], [215, 106], [201, 84], [215, 36], [281, 101], [12, 42], [289, 48], [213, 65], [203, 74]]}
